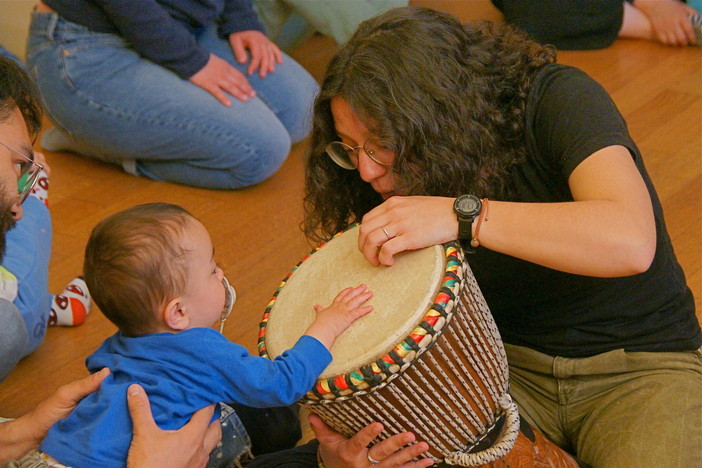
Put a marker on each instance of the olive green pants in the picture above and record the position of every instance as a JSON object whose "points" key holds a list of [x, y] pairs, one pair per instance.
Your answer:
{"points": [[616, 409]]}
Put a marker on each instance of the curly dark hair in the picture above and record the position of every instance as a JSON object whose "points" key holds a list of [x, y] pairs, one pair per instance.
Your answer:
{"points": [[449, 99], [16, 90]]}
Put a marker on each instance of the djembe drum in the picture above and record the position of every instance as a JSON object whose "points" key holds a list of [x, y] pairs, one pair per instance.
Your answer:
{"points": [[427, 359]]}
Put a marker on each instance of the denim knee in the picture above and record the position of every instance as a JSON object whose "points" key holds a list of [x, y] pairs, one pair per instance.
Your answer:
{"points": [[231, 160], [264, 161], [234, 446]]}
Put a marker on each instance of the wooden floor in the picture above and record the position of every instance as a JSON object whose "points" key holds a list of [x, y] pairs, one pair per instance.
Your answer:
{"points": [[255, 231]]}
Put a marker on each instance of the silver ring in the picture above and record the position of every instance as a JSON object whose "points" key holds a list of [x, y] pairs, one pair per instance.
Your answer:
{"points": [[372, 460], [389, 237]]}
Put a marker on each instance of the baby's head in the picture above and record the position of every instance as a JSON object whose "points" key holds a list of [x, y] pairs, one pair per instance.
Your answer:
{"points": [[151, 269]]}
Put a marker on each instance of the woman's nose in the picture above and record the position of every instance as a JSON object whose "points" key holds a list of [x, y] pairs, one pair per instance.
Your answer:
{"points": [[369, 169]]}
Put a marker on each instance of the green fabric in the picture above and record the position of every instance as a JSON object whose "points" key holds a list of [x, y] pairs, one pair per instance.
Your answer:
{"points": [[291, 22], [616, 409]]}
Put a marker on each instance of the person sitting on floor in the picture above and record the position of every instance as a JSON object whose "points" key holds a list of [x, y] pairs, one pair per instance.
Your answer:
{"points": [[574, 24]]}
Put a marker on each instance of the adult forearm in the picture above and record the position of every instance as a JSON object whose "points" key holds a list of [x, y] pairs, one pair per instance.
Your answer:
{"points": [[609, 230], [594, 237]]}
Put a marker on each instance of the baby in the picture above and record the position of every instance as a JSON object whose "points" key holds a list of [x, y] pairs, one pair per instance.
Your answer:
{"points": [[152, 272]]}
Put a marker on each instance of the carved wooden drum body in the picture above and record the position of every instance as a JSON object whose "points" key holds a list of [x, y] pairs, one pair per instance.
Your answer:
{"points": [[427, 359]]}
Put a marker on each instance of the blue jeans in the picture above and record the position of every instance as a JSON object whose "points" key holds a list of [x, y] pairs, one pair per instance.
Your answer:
{"points": [[235, 446], [27, 258], [116, 106]]}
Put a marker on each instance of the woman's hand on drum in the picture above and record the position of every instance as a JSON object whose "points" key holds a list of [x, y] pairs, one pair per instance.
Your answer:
{"points": [[337, 451], [406, 223], [346, 307]]}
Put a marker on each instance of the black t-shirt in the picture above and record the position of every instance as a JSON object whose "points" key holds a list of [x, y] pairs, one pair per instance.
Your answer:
{"points": [[569, 117]]}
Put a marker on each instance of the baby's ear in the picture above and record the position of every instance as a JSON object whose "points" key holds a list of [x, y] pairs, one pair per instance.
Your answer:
{"points": [[174, 315]]}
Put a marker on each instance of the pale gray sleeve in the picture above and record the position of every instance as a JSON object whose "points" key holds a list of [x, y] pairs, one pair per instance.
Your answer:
{"points": [[13, 337]]}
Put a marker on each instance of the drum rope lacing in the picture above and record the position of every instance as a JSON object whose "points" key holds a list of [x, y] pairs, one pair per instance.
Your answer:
{"points": [[469, 416], [490, 372], [503, 445], [479, 348], [395, 421], [480, 399]]}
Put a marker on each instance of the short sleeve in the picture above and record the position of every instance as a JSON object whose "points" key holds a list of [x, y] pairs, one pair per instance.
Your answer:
{"points": [[571, 117]]}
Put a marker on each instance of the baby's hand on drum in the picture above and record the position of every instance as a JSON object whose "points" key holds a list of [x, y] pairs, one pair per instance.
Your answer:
{"points": [[346, 307]]}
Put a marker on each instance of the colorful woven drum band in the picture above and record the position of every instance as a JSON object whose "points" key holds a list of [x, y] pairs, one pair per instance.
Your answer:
{"points": [[377, 374]]}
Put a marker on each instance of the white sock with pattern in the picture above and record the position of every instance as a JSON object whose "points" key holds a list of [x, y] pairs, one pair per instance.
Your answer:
{"points": [[70, 307]]}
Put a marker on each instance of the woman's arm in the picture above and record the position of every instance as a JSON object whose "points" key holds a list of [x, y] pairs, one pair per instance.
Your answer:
{"points": [[238, 16], [609, 230], [158, 37], [239, 22]]}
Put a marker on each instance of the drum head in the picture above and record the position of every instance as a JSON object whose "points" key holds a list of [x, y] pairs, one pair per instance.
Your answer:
{"points": [[402, 295]]}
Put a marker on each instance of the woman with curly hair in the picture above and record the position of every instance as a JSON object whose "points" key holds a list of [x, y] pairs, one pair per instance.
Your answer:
{"points": [[428, 131]]}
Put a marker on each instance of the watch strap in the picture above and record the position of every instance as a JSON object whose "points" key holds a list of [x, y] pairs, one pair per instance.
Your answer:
{"points": [[465, 228], [465, 222]]}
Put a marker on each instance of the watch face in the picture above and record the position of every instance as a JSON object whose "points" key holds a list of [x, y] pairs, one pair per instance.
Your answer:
{"points": [[468, 205]]}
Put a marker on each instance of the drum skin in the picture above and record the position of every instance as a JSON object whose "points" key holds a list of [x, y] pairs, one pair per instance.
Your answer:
{"points": [[402, 294]]}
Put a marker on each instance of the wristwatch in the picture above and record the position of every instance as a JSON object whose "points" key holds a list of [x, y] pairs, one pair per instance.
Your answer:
{"points": [[467, 208]]}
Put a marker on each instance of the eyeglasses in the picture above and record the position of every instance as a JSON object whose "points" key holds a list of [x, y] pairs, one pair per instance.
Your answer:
{"points": [[347, 156], [28, 171]]}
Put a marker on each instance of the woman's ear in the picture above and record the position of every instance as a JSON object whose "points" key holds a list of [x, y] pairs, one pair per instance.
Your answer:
{"points": [[175, 316]]}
